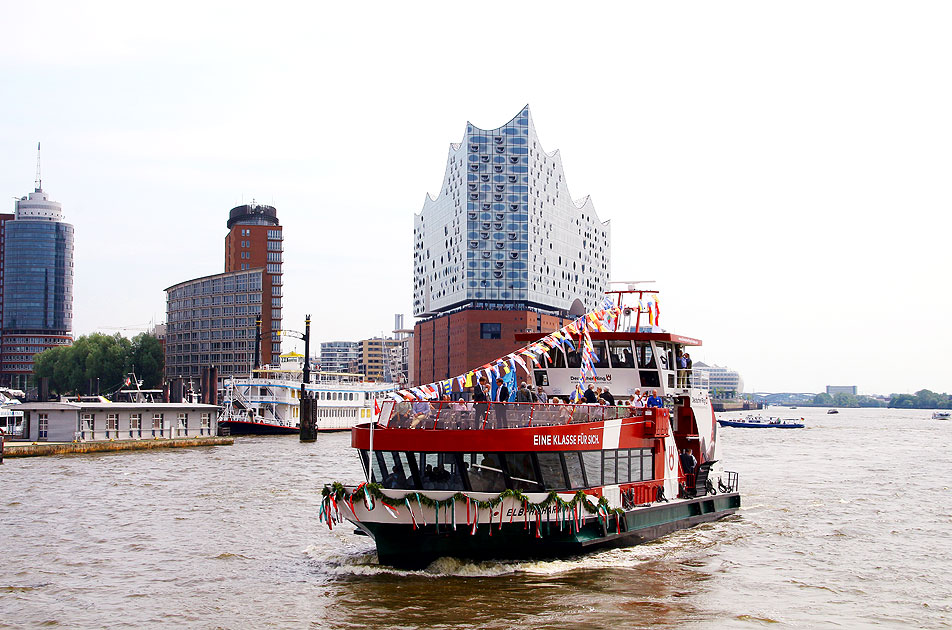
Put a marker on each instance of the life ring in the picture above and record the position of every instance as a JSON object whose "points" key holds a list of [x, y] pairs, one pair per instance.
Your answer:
{"points": [[671, 461]]}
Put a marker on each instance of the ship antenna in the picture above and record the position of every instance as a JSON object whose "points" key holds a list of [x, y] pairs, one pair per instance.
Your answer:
{"points": [[39, 180]]}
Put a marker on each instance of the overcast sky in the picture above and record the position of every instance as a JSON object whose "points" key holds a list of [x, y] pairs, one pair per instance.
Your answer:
{"points": [[782, 170]]}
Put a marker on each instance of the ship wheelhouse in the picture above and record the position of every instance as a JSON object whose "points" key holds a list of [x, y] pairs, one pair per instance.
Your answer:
{"points": [[626, 362]]}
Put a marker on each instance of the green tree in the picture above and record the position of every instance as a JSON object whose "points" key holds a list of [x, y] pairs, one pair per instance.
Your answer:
{"points": [[106, 357], [843, 399], [148, 360], [823, 400]]}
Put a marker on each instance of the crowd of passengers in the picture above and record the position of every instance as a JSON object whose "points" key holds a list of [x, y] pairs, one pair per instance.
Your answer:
{"points": [[480, 413]]}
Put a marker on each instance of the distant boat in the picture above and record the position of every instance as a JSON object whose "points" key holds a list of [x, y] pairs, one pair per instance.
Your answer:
{"points": [[941, 415], [832, 411], [759, 422]]}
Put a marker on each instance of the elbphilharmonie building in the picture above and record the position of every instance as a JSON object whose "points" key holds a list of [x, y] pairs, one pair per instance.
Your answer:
{"points": [[502, 234], [504, 229]]}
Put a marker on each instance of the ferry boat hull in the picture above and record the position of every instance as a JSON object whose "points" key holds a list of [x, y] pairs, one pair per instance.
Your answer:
{"points": [[523, 540], [237, 427], [491, 478]]}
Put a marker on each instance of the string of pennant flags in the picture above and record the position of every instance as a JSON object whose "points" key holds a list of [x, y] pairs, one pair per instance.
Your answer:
{"points": [[574, 337]]}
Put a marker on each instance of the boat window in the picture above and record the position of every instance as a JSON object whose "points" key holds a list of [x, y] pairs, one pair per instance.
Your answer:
{"points": [[622, 469], [573, 466], [573, 359], [593, 467], [394, 469], [666, 356], [485, 472], [556, 358], [621, 356], [608, 467], [522, 472], [550, 466], [439, 471], [644, 354], [647, 464], [649, 378], [541, 378], [599, 354]]}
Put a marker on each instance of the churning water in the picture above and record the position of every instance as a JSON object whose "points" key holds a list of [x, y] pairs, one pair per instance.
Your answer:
{"points": [[844, 524]]}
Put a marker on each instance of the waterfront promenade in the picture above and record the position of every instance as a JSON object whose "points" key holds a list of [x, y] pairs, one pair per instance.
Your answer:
{"points": [[13, 449]]}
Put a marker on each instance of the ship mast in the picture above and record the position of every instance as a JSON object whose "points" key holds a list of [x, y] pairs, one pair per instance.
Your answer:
{"points": [[631, 288]]}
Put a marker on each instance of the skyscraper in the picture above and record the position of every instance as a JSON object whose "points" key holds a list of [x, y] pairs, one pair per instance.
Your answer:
{"points": [[501, 249], [37, 284]]}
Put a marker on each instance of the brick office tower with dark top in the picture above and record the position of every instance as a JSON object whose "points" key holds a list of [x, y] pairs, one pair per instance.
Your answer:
{"points": [[255, 241]]}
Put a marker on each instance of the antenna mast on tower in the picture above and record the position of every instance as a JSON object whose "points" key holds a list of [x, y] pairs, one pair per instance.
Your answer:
{"points": [[39, 180]]}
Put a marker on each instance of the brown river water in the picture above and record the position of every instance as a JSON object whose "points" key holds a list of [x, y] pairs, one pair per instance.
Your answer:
{"points": [[844, 524]]}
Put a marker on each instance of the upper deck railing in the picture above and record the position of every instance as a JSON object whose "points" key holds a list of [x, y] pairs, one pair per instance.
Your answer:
{"points": [[443, 415]]}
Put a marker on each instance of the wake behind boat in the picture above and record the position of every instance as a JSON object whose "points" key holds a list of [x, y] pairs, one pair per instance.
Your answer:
{"points": [[505, 480], [759, 422]]}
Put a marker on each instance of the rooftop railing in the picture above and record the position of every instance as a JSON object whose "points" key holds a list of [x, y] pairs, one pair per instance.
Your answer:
{"points": [[460, 415]]}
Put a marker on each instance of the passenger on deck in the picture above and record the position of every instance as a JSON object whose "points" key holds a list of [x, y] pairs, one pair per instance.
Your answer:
{"points": [[421, 411], [541, 395], [654, 400], [607, 397], [590, 396], [689, 365], [401, 416], [481, 400], [502, 396], [688, 463], [524, 395], [638, 400], [682, 370]]}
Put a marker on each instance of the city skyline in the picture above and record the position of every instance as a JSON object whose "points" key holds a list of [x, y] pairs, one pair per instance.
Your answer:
{"points": [[783, 186]]}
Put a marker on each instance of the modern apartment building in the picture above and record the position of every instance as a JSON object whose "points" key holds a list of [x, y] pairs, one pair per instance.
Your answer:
{"points": [[340, 356], [210, 321]]}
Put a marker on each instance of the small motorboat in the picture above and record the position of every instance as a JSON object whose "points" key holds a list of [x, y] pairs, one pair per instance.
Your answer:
{"points": [[759, 422], [942, 415], [829, 411]]}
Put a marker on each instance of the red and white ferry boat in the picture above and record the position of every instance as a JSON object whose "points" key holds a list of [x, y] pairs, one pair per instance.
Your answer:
{"points": [[531, 480]]}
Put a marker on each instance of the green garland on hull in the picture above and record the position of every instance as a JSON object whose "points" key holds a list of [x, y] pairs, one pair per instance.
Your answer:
{"points": [[553, 499]]}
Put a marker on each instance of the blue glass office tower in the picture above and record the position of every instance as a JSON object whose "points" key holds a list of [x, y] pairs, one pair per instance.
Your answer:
{"points": [[37, 286]]}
